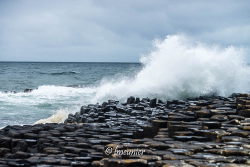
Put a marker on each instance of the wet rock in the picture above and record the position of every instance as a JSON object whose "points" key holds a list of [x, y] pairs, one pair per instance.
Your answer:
{"points": [[194, 108], [16, 163], [172, 128], [191, 138], [125, 162], [157, 145], [232, 139], [202, 113], [80, 164], [240, 133], [234, 165], [219, 118], [27, 90], [171, 156], [152, 103], [4, 151], [30, 136], [15, 134], [171, 163], [19, 145], [5, 141], [180, 117], [21, 155], [244, 113], [131, 100], [159, 123], [181, 151], [137, 100], [150, 158], [207, 156], [246, 128], [51, 150], [211, 125], [222, 111], [70, 119], [235, 151], [85, 110], [138, 107]]}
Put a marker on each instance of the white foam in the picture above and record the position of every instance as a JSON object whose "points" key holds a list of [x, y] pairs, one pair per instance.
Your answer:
{"points": [[63, 100], [58, 117], [47, 93], [179, 67]]}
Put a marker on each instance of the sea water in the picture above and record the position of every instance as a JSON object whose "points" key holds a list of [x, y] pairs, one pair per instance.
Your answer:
{"points": [[177, 67], [58, 88]]}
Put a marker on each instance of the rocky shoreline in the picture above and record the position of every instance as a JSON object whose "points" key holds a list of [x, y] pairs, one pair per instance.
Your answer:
{"points": [[204, 131]]}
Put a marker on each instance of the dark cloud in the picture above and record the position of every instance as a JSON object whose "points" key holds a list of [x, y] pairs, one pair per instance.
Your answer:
{"points": [[113, 30]]}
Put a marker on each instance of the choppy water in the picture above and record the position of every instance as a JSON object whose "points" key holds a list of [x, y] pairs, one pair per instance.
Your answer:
{"points": [[58, 88], [176, 68]]}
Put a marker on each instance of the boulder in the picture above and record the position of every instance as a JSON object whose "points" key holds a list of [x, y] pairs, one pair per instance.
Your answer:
{"points": [[131, 100], [152, 103], [244, 113], [211, 125], [27, 90]]}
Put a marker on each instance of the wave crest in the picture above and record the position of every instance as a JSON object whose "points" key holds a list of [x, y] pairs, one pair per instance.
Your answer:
{"points": [[179, 67], [58, 117]]}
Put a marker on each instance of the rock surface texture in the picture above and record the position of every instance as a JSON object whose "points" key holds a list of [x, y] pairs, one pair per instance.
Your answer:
{"points": [[205, 131]]}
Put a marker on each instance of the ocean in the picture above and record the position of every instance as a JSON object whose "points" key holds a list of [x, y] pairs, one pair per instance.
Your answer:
{"points": [[176, 68], [58, 88]]}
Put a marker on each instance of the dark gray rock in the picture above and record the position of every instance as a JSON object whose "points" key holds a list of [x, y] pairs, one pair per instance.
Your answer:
{"points": [[27, 90], [152, 103], [211, 125], [131, 100]]}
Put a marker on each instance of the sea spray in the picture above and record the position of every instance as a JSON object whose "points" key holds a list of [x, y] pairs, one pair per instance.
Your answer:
{"points": [[178, 67], [58, 117]]}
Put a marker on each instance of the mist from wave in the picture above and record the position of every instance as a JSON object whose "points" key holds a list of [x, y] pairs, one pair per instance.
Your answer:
{"points": [[179, 67]]}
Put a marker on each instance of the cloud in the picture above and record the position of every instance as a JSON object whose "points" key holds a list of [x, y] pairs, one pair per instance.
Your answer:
{"points": [[109, 30]]}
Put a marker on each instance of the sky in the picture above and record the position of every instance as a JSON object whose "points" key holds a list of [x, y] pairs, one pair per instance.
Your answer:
{"points": [[114, 30]]}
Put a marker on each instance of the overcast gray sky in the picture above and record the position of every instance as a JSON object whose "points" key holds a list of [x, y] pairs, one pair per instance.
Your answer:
{"points": [[113, 30]]}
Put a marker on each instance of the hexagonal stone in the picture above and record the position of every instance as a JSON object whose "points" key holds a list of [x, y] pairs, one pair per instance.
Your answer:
{"points": [[202, 113], [211, 125], [125, 162], [244, 113], [173, 163], [181, 151], [4, 151]]}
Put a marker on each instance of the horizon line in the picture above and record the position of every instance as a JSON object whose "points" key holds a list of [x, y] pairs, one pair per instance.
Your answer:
{"points": [[66, 62]]}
